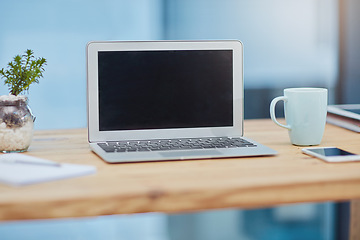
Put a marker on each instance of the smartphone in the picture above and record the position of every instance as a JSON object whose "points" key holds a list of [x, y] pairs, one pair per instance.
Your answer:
{"points": [[331, 154]]}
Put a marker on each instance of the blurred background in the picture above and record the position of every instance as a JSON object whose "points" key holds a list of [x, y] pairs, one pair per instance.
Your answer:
{"points": [[287, 43]]}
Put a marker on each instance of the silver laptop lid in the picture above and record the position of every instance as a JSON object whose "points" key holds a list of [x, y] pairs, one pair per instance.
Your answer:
{"points": [[164, 89]]}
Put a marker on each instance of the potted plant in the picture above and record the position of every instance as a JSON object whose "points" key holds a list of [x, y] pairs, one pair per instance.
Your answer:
{"points": [[16, 119]]}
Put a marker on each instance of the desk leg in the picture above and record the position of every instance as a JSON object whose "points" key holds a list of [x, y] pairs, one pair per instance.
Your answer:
{"points": [[355, 220]]}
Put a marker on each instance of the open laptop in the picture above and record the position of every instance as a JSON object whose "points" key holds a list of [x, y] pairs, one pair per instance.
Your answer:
{"points": [[167, 100]]}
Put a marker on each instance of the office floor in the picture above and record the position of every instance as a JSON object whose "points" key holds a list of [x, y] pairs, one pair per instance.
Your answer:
{"points": [[136, 227], [294, 222]]}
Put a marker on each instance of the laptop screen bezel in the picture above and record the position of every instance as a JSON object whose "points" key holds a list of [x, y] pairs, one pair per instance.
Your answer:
{"points": [[95, 135]]}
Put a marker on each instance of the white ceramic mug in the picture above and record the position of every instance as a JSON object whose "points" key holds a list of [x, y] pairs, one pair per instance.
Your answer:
{"points": [[305, 114]]}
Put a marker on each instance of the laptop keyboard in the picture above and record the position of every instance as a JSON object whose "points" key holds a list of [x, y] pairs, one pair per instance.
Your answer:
{"points": [[175, 144]]}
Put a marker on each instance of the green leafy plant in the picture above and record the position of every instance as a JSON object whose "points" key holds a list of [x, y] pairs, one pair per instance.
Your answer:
{"points": [[22, 72]]}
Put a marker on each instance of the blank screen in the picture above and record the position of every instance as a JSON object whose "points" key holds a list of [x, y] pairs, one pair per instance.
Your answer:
{"points": [[357, 111], [330, 152], [165, 89]]}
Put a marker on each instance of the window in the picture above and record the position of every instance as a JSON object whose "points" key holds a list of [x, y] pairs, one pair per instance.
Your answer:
{"points": [[286, 43]]}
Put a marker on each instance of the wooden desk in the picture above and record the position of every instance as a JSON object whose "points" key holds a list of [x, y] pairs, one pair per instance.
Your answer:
{"points": [[181, 186]]}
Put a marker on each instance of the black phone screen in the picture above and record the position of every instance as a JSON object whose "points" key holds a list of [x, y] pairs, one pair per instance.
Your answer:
{"points": [[331, 152]]}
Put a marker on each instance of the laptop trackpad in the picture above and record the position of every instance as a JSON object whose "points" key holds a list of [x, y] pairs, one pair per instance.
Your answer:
{"points": [[189, 154]]}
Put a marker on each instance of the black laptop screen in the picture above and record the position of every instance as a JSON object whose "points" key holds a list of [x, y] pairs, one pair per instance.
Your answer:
{"points": [[165, 89]]}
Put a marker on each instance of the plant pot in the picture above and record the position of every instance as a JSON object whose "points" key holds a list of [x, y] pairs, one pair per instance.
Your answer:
{"points": [[16, 124]]}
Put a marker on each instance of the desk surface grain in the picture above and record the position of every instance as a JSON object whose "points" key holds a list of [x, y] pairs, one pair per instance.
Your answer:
{"points": [[184, 186]]}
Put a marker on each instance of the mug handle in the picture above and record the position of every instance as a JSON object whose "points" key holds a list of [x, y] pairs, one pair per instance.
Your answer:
{"points": [[272, 111]]}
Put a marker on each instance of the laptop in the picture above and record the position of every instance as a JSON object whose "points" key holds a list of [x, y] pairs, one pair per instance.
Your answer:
{"points": [[167, 100]]}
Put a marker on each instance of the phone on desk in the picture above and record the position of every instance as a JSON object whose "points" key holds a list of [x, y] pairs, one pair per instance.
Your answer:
{"points": [[331, 154]]}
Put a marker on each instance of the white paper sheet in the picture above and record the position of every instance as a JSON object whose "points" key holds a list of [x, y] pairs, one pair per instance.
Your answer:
{"points": [[20, 173]]}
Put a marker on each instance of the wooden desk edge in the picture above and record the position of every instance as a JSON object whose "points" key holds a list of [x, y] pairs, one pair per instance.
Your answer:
{"points": [[176, 203]]}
